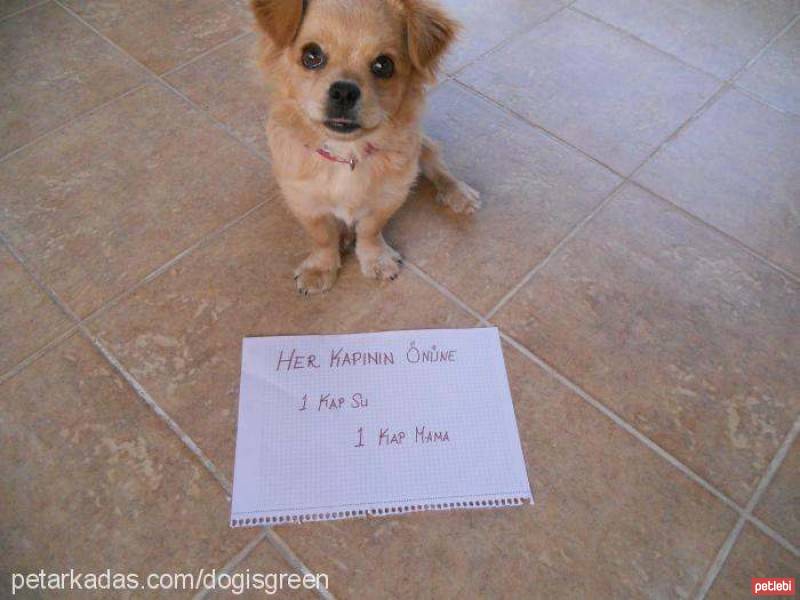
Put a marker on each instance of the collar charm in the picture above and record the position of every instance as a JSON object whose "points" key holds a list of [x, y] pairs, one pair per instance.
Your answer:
{"points": [[352, 161]]}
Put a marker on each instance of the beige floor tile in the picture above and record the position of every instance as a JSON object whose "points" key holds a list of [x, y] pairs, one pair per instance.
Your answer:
{"points": [[9, 7], [780, 506], [264, 564], [754, 555], [53, 69], [181, 335], [163, 34], [105, 201], [228, 84], [591, 532], [28, 318], [737, 167], [602, 91], [719, 36], [93, 480], [675, 329], [535, 190], [487, 24], [776, 76]]}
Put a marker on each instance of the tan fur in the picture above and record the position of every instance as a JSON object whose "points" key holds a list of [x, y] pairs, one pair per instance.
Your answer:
{"points": [[389, 149]]}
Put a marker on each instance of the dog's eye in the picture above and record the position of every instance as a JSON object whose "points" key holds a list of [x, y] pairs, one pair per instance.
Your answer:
{"points": [[383, 67], [313, 56]]}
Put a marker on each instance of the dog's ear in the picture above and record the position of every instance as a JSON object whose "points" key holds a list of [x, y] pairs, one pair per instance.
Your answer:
{"points": [[279, 19], [430, 33]]}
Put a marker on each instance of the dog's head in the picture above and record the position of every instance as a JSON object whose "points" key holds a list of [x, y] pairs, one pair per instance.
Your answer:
{"points": [[348, 65]]}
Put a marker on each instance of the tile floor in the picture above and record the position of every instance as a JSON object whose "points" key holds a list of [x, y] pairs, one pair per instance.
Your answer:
{"points": [[639, 248]]}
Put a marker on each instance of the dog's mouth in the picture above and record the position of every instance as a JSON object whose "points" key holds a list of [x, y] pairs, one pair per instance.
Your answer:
{"points": [[342, 125]]}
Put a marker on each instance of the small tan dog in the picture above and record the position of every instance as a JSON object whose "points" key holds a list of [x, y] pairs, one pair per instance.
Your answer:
{"points": [[348, 91]]}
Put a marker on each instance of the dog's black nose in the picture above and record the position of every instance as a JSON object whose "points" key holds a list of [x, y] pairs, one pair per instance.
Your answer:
{"points": [[344, 94]]}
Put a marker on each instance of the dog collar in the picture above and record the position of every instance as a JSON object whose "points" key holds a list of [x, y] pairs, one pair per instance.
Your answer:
{"points": [[352, 161]]}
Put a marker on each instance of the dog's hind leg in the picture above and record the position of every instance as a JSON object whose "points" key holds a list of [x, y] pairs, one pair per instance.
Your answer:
{"points": [[451, 192]]}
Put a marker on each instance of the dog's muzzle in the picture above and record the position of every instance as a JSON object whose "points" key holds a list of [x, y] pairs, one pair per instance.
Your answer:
{"points": [[343, 97]]}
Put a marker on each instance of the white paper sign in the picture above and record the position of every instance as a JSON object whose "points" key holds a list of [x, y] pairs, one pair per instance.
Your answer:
{"points": [[342, 426]]}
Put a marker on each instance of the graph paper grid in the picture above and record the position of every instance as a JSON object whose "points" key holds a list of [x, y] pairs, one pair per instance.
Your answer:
{"points": [[322, 440]]}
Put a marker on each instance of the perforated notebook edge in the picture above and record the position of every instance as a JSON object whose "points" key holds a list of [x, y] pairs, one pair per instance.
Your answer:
{"points": [[277, 517]]}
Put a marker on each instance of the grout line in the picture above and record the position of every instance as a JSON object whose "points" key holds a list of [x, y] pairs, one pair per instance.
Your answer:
{"points": [[726, 236], [281, 547], [633, 36], [720, 559], [157, 272], [73, 120], [725, 85], [589, 399], [699, 112], [288, 554], [702, 109], [555, 250], [165, 84], [114, 301], [124, 373], [130, 379], [446, 293], [630, 179], [232, 564], [625, 180], [217, 123], [761, 100], [509, 40], [730, 79], [546, 132], [156, 408], [441, 289], [22, 10], [773, 466], [33, 357], [757, 57], [205, 53], [776, 537], [619, 421], [151, 78], [64, 335], [744, 514], [766, 479], [274, 539], [40, 282], [765, 48]]}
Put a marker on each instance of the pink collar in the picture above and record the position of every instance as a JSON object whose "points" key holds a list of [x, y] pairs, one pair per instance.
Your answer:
{"points": [[369, 150]]}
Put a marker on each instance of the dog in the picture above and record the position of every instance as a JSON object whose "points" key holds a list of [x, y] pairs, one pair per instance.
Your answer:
{"points": [[347, 82]]}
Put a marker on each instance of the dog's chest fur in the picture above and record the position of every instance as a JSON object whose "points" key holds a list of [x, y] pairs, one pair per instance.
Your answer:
{"points": [[316, 185]]}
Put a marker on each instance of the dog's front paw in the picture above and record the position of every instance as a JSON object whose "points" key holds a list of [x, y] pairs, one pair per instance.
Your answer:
{"points": [[312, 279], [383, 265], [460, 198]]}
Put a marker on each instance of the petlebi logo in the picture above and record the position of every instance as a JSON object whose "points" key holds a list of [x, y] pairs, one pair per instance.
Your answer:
{"points": [[772, 586]]}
